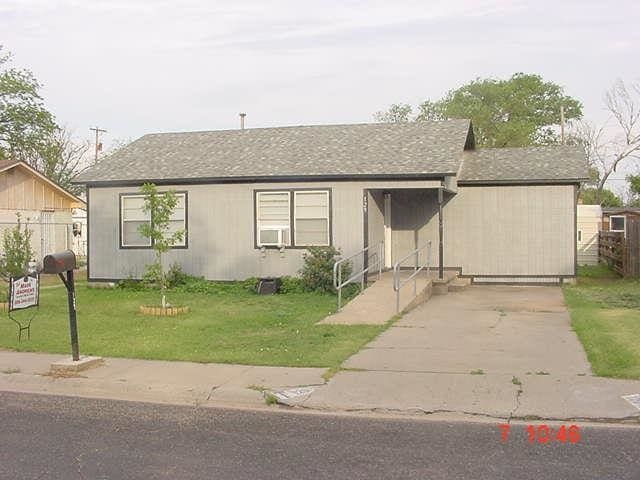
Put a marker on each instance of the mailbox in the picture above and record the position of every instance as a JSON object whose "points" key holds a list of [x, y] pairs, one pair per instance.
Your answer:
{"points": [[59, 262]]}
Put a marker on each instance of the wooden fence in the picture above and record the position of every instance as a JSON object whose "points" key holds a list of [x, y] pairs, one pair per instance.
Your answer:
{"points": [[620, 253]]}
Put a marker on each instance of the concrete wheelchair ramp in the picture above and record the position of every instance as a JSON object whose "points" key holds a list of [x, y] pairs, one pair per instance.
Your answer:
{"points": [[377, 304]]}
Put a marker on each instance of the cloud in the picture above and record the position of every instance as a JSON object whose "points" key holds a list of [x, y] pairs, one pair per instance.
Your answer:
{"points": [[136, 66]]}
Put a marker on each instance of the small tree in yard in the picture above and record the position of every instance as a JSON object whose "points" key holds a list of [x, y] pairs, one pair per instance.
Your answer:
{"points": [[17, 251], [160, 206]]}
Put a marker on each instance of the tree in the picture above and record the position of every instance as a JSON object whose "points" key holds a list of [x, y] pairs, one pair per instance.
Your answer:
{"points": [[634, 190], [397, 113], [160, 206], [63, 159], [618, 139], [17, 251], [522, 110], [25, 125], [606, 198], [28, 131]]}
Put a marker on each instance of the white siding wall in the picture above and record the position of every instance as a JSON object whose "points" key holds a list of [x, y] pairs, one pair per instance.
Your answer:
{"points": [[375, 221], [221, 230], [589, 224], [492, 230], [511, 230]]}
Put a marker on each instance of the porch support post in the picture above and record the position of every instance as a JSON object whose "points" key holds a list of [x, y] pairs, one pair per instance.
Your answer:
{"points": [[440, 235]]}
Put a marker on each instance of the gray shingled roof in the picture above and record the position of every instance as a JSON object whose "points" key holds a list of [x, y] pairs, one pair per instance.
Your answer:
{"points": [[422, 148], [529, 164]]}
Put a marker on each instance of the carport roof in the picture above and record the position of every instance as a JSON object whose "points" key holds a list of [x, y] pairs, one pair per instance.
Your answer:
{"points": [[548, 164]]}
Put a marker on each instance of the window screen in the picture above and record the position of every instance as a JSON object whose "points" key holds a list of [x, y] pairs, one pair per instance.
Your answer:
{"points": [[132, 217], [177, 221], [273, 218], [311, 218]]}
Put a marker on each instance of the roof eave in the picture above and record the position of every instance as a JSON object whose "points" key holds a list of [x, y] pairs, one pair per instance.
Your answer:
{"points": [[78, 202], [529, 181], [264, 179]]}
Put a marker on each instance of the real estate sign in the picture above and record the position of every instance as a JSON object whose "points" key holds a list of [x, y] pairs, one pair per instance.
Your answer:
{"points": [[24, 292]]}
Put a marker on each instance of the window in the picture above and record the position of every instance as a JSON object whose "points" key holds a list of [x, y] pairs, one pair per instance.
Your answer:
{"points": [[311, 215], [273, 218], [293, 218], [617, 223], [133, 216]]}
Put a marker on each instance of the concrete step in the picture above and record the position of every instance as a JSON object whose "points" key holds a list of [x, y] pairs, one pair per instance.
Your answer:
{"points": [[440, 289], [459, 284]]}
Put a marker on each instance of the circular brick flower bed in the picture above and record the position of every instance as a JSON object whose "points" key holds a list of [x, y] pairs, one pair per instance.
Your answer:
{"points": [[163, 312]]}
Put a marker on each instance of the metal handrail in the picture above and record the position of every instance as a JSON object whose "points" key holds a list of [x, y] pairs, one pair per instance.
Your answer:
{"points": [[398, 283], [337, 271]]}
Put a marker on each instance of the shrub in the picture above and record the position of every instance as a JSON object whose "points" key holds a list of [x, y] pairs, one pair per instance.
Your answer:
{"points": [[131, 283], [317, 272], [16, 244], [250, 284], [291, 285], [176, 277]]}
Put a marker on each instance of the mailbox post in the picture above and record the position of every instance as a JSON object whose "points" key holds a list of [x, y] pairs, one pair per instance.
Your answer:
{"points": [[59, 263]]}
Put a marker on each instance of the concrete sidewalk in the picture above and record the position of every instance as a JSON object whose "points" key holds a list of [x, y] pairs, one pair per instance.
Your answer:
{"points": [[494, 351], [182, 383]]}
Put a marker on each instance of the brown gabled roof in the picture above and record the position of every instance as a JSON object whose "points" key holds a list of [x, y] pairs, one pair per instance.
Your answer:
{"points": [[6, 164]]}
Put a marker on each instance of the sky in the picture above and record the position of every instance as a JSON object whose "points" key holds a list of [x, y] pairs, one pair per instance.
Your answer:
{"points": [[136, 66]]}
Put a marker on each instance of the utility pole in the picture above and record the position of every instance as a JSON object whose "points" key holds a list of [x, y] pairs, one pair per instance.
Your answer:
{"points": [[562, 124], [98, 144]]}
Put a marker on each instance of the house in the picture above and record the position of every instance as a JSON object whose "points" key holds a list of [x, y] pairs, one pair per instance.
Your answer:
{"points": [[42, 204], [252, 200], [589, 224], [79, 218], [615, 219]]}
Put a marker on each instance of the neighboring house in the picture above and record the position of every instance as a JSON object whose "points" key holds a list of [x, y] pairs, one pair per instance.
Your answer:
{"points": [[42, 204], [79, 230], [252, 200], [615, 219], [589, 224]]}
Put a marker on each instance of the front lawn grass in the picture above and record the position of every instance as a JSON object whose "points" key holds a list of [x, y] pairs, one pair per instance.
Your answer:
{"points": [[231, 325], [605, 313]]}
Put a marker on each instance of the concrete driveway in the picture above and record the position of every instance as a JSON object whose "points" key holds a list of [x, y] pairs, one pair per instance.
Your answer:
{"points": [[499, 351], [483, 329]]}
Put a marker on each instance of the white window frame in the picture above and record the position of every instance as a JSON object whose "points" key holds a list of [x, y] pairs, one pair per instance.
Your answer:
{"points": [[624, 217], [123, 243], [278, 228], [295, 218], [182, 244]]}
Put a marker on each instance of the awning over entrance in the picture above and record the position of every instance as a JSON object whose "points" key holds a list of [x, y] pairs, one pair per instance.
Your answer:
{"points": [[406, 219]]}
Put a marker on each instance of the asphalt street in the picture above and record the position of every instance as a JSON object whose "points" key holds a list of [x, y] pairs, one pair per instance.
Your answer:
{"points": [[70, 438]]}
